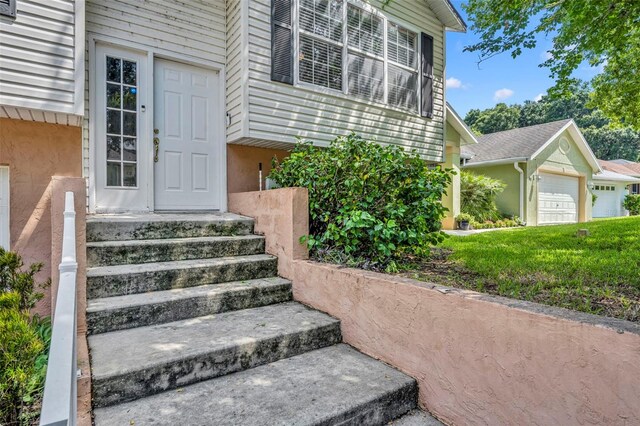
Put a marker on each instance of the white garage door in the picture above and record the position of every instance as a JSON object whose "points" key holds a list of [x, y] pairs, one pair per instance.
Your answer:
{"points": [[558, 198], [608, 202]]}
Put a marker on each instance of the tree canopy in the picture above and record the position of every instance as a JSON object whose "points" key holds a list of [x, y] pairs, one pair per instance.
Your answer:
{"points": [[607, 141], [602, 33]]}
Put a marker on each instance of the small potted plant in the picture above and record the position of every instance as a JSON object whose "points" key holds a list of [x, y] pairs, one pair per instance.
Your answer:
{"points": [[464, 220]]}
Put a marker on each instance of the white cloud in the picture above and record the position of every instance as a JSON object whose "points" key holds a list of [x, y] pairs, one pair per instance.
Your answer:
{"points": [[454, 83], [546, 55], [502, 94], [538, 97]]}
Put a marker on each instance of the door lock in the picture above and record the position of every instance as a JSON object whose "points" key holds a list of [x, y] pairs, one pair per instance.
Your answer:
{"points": [[156, 145]]}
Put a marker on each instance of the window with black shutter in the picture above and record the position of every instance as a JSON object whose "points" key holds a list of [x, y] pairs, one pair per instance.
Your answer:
{"points": [[282, 41], [8, 8], [426, 89], [351, 48]]}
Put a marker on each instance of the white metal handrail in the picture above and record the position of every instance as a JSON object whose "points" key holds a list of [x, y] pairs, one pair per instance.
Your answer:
{"points": [[59, 406]]}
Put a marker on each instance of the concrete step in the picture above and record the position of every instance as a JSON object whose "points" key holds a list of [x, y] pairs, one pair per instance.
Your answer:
{"points": [[158, 307], [417, 418], [153, 226], [332, 386], [108, 281], [106, 253], [131, 364]]}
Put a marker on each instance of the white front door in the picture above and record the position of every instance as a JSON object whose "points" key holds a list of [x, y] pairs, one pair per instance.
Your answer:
{"points": [[189, 145], [121, 172], [558, 198]]}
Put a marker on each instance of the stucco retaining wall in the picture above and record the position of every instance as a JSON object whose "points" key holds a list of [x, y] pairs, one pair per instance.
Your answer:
{"points": [[478, 359]]}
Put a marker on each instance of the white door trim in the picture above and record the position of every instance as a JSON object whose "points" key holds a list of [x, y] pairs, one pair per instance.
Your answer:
{"points": [[151, 53]]}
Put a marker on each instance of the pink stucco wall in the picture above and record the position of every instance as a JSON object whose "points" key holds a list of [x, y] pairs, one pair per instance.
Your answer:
{"points": [[478, 359]]}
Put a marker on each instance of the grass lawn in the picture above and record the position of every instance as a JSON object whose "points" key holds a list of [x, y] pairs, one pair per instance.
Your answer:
{"points": [[598, 274]]}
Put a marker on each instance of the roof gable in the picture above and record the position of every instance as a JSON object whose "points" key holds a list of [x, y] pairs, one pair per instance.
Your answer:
{"points": [[448, 15], [526, 143]]}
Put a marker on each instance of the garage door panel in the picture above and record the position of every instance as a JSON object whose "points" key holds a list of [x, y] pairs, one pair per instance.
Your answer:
{"points": [[558, 198], [608, 203]]}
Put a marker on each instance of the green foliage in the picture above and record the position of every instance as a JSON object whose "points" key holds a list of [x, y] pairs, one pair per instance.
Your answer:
{"points": [[464, 217], [13, 278], [608, 141], [632, 203], [612, 41], [22, 361], [500, 223], [478, 196], [368, 203], [24, 341]]}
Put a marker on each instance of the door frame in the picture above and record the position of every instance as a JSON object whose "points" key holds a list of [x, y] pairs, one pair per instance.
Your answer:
{"points": [[151, 53]]}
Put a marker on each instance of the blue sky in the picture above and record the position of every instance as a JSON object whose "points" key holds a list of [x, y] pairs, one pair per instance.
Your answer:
{"points": [[499, 79]]}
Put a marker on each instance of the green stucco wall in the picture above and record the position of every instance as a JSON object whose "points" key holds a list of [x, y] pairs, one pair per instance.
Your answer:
{"points": [[508, 201]]}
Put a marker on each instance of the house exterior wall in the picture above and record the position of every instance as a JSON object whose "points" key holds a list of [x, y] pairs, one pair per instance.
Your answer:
{"points": [[242, 166], [269, 114], [41, 62], [508, 201], [193, 31], [34, 153], [452, 161]]}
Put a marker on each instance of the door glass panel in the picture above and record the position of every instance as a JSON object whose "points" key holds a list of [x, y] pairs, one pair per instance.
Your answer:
{"points": [[130, 152], [121, 122]]}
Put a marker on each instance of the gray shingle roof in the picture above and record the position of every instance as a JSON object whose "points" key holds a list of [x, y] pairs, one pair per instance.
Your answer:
{"points": [[516, 143]]}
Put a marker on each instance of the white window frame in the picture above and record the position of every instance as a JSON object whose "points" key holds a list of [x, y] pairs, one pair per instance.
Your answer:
{"points": [[345, 49], [5, 206]]}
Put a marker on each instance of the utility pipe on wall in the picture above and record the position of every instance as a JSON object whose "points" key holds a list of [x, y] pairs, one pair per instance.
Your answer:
{"points": [[522, 190]]}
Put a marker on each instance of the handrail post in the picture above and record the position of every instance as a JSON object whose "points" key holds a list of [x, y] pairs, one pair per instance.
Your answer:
{"points": [[59, 404]]}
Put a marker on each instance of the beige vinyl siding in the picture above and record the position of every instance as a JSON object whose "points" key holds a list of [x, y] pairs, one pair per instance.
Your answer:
{"points": [[278, 113], [235, 91], [37, 62], [189, 29]]}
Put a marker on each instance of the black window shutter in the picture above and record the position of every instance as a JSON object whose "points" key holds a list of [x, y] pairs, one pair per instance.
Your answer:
{"points": [[8, 8], [426, 89], [282, 41]]}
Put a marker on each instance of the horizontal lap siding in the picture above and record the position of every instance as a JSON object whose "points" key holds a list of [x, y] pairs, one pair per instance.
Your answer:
{"points": [[37, 51], [235, 89], [191, 28], [278, 113]]}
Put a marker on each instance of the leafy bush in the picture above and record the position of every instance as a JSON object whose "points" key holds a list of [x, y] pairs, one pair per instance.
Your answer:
{"points": [[368, 203], [464, 217], [24, 342], [632, 203], [501, 223], [13, 278], [478, 196]]}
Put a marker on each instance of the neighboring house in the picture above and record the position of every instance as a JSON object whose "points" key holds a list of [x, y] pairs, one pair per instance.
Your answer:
{"points": [[166, 105], [457, 135], [624, 167], [548, 170]]}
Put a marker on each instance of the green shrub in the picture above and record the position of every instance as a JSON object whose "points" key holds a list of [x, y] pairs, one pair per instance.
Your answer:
{"points": [[368, 203], [13, 278], [24, 342], [478, 196], [632, 203]]}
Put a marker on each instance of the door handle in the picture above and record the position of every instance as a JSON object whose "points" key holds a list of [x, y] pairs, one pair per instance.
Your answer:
{"points": [[156, 145]]}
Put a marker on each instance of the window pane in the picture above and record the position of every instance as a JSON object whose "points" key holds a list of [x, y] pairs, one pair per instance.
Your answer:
{"points": [[320, 63], [129, 95], [113, 69], [129, 174], [129, 127], [113, 148], [322, 18], [403, 88], [113, 121], [113, 174], [129, 73], [364, 31], [130, 151], [113, 95], [366, 77], [402, 46]]}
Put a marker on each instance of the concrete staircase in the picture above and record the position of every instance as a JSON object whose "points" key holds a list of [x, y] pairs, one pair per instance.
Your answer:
{"points": [[190, 325]]}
